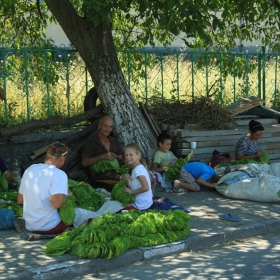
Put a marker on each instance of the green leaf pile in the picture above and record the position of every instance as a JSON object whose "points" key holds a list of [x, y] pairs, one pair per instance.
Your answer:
{"points": [[117, 194], [3, 182], [260, 160], [67, 211], [11, 195], [83, 196], [106, 164], [173, 172], [124, 169], [110, 235]]}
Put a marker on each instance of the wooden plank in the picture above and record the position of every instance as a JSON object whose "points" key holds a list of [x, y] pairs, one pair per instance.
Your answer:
{"points": [[239, 130], [252, 100], [153, 119], [205, 151], [267, 137], [41, 151], [239, 107], [243, 105], [224, 142], [263, 121], [148, 119], [246, 117], [152, 132]]}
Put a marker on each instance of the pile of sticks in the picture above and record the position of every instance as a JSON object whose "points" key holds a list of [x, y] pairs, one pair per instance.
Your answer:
{"points": [[201, 110]]}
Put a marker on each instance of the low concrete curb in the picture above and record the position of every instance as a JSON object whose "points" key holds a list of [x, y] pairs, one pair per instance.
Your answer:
{"points": [[191, 243]]}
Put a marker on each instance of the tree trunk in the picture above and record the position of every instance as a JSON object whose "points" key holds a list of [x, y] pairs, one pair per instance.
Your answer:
{"points": [[95, 45]]}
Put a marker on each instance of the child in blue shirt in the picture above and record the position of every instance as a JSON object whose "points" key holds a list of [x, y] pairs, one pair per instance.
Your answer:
{"points": [[194, 174]]}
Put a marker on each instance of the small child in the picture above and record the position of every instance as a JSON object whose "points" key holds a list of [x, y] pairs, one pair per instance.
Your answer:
{"points": [[139, 183], [163, 159], [195, 174]]}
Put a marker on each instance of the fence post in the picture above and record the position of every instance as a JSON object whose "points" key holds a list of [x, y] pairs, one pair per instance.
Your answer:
{"points": [[5, 86], [275, 83], [26, 84], [47, 81], [259, 73], [234, 77], [221, 80], [177, 76], [128, 70], [263, 72], [146, 78], [192, 58]]}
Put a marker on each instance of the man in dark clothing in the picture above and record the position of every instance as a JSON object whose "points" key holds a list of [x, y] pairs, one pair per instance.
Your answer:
{"points": [[100, 147]]}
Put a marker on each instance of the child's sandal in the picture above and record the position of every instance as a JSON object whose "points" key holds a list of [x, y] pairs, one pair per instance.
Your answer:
{"points": [[175, 190]]}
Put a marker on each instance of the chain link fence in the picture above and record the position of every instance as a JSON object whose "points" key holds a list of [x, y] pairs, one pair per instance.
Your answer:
{"points": [[38, 84]]}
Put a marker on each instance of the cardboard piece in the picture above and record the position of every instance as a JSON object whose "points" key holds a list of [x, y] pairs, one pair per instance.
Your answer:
{"points": [[243, 105], [41, 151]]}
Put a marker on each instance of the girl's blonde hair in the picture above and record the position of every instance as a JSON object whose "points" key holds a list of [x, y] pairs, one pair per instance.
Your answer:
{"points": [[136, 148], [57, 150]]}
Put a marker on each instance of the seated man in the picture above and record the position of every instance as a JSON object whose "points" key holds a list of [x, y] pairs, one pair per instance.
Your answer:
{"points": [[100, 147]]}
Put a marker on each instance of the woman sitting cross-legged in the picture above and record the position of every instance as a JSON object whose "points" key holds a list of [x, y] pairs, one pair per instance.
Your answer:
{"points": [[42, 192]]}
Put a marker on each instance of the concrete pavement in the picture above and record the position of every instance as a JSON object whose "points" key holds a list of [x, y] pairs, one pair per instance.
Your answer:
{"points": [[20, 259]]}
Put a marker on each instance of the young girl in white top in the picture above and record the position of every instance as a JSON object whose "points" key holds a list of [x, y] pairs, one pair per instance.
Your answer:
{"points": [[139, 183]]}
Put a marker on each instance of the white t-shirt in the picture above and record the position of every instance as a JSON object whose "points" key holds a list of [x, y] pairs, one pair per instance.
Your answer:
{"points": [[142, 200], [39, 183]]}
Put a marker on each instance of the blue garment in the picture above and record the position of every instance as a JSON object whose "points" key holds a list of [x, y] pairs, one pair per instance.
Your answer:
{"points": [[237, 178], [199, 170], [3, 166], [245, 146]]}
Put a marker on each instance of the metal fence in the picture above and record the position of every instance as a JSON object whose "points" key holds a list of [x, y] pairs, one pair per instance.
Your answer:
{"points": [[38, 84]]}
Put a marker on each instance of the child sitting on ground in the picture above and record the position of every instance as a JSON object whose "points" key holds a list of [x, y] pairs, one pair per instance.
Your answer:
{"points": [[139, 183], [163, 159], [194, 174]]}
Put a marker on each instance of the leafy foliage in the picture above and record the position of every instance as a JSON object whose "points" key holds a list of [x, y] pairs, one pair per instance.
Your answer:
{"points": [[138, 22], [110, 235], [117, 194]]}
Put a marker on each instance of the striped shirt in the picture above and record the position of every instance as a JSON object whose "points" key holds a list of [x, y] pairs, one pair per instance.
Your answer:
{"points": [[245, 146]]}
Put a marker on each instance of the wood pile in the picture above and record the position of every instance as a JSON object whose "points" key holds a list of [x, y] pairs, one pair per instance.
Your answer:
{"points": [[225, 140], [208, 113]]}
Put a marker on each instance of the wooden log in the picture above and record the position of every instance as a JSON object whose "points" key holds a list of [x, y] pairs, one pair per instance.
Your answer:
{"points": [[78, 174], [78, 166], [54, 121], [75, 156], [83, 133], [40, 158]]}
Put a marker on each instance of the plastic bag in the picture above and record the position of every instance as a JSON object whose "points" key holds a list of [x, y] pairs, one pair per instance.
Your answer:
{"points": [[7, 218]]}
